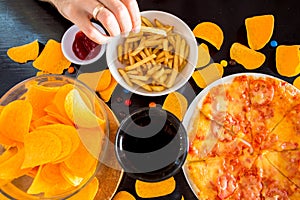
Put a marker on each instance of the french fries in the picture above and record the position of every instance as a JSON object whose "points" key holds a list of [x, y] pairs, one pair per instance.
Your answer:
{"points": [[154, 57]]}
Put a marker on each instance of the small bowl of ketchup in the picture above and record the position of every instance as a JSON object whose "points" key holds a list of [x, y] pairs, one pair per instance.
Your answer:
{"points": [[79, 49]]}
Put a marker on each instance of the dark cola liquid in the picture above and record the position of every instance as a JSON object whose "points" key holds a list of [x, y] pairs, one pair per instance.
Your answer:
{"points": [[151, 145]]}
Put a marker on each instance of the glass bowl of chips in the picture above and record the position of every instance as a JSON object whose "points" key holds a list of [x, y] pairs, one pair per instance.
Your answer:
{"points": [[53, 136], [158, 60]]}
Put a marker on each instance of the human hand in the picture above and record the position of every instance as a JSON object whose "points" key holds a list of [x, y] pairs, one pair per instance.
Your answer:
{"points": [[117, 16]]}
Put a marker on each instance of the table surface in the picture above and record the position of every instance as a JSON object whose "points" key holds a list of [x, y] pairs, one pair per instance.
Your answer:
{"points": [[24, 21]]}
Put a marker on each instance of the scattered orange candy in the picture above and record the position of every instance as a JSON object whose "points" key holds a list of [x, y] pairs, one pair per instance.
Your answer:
{"points": [[210, 32], [24, 53], [259, 30]]}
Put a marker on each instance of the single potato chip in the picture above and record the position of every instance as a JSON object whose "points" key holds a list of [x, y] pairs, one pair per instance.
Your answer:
{"points": [[68, 137], [296, 82], [97, 81], [208, 75], [81, 162], [123, 195], [60, 97], [78, 111], [106, 94], [11, 168], [41, 147], [69, 176], [52, 59], [49, 181], [259, 30], [177, 104], [247, 57], [15, 120], [203, 55], [88, 192], [157, 189], [24, 53], [288, 60], [39, 97], [210, 32]]}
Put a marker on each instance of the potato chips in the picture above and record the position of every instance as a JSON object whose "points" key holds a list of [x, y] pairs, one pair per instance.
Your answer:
{"points": [[259, 30], [247, 57], [24, 53], [288, 60], [210, 32], [41, 138], [156, 189]]}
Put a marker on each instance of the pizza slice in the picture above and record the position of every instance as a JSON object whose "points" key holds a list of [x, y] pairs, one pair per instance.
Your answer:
{"points": [[249, 185], [210, 178], [268, 107], [228, 104], [274, 184], [286, 135], [288, 163], [209, 139]]}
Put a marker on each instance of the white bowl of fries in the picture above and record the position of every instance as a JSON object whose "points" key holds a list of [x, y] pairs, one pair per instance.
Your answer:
{"points": [[158, 60]]}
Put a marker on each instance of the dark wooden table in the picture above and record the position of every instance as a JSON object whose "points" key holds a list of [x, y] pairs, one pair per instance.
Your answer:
{"points": [[24, 21]]}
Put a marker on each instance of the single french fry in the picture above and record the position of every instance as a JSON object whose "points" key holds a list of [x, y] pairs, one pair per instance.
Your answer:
{"points": [[125, 53], [157, 88], [177, 49], [181, 51], [172, 78], [153, 70], [142, 84], [120, 52], [137, 64], [147, 29], [146, 21], [141, 78], [158, 23], [153, 43], [125, 76], [139, 48], [133, 39], [131, 60], [132, 34], [170, 63]]}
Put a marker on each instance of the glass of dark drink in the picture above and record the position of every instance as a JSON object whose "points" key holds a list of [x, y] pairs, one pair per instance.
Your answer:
{"points": [[151, 144]]}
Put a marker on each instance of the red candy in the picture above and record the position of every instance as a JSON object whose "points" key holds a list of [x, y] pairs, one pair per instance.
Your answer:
{"points": [[84, 48]]}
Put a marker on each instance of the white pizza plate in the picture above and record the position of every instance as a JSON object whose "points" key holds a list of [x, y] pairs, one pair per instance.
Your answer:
{"points": [[191, 113]]}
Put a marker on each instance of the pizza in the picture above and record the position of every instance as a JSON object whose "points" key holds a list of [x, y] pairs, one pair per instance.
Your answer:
{"points": [[244, 139]]}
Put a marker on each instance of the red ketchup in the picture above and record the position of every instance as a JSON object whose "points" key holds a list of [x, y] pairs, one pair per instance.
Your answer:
{"points": [[84, 48]]}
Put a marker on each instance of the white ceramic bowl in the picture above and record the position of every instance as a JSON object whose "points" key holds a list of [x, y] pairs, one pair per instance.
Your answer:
{"points": [[67, 42], [181, 28]]}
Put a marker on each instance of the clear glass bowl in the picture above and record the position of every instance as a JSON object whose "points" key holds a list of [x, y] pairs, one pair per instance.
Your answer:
{"points": [[16, 189]]}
